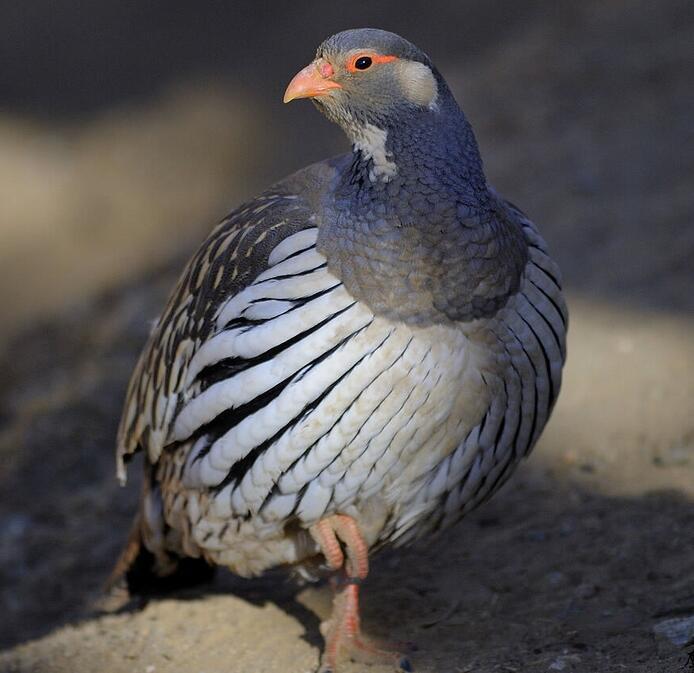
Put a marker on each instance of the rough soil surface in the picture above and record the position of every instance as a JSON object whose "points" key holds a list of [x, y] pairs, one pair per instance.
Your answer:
{"points": [[583, 563]]}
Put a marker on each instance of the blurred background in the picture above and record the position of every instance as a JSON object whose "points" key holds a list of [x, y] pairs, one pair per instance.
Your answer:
{"points": [[128, 129]]}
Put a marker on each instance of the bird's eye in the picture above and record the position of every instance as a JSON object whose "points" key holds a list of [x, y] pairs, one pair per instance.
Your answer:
{"points": [[363, 62]]}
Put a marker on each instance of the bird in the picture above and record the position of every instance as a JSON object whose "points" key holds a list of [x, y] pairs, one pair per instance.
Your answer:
{"points": [[354, 359]]}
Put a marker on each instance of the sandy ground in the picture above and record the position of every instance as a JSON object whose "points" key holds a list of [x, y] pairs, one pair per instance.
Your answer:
{"points": [[584, 562]]}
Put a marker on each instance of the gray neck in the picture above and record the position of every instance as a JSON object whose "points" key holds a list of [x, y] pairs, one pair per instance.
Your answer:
{"points": [[409, 223], [435, 150]]}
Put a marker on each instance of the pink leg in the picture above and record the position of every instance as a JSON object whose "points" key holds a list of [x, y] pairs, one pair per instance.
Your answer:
{"points": [[342, 632]]}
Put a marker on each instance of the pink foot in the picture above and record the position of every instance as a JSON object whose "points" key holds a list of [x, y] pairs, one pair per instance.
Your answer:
{"points": [[342, 632]]}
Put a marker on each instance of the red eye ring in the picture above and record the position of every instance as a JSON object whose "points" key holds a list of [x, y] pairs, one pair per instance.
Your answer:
{"points": [[364, 61]]}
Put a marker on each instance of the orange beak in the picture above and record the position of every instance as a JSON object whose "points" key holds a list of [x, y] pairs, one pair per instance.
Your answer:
{"points": [[313, 80]]}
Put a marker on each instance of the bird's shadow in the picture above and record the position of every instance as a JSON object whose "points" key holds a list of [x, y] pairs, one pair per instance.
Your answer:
{"points": [[537, 574], [276, 586]]}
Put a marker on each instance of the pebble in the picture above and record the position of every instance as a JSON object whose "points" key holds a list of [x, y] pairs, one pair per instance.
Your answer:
{"points": [[563, 662], [567, 528], [587, 590], [13, 539], [678, 630], [674, 456], [556, 578]]}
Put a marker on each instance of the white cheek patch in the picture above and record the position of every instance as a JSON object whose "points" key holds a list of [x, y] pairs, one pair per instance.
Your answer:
{"points": [[371, 141], [418, 83]]}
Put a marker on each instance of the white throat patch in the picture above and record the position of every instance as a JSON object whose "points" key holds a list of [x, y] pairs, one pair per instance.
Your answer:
{"points": [[372, 143]]}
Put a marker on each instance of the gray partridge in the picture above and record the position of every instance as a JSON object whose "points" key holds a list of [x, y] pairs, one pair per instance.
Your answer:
{"points": [[357, 357]]}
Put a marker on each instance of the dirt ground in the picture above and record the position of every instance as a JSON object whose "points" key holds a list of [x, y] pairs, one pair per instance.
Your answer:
{"points": [[584, 562]]}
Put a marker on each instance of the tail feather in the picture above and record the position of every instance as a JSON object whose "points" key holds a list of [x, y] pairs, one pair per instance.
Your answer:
{"points": [[140, 572], [147, 566]]}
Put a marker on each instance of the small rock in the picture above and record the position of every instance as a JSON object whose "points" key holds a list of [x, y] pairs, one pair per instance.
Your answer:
{"points": [[567, 528], [563, 662], [13, 526], [678, 630], [13, 533], [674, 456], [556, 578], [587, 590]]}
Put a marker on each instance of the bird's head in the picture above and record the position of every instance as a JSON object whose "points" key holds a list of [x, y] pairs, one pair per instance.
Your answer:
{"points": [[368, 77]]}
